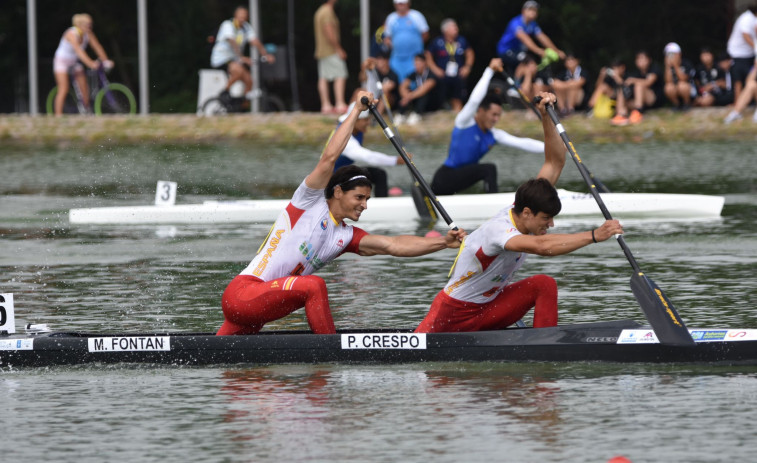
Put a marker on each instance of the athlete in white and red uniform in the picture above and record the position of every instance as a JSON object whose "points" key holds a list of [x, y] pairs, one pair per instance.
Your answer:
{"points": [[308, 234], [480, 295]]}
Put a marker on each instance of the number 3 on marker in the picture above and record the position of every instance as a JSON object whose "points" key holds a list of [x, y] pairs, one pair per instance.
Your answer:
{"points": [[165, 193]]}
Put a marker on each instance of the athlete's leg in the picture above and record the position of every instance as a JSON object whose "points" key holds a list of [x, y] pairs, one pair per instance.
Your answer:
{"points": [[61, 80], [449, 181], [512, 304], [248, 304]]}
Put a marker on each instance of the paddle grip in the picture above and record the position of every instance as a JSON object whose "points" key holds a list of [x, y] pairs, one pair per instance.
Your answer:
{"points": [[414, 170]]}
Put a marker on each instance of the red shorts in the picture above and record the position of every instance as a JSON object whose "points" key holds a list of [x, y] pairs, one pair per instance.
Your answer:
{"points": [[249, 303], [448, 314]]}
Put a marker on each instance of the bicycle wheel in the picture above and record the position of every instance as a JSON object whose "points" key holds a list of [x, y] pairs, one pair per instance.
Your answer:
{"points": [[272, 104], [214, 107], [69, 104], [115, 99]]}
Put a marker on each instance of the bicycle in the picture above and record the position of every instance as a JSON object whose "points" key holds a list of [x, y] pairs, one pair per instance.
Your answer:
{"points": [[105, 97], [220, 105], [224, 103]]}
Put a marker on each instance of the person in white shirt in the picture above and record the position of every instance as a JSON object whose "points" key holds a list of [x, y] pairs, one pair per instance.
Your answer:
{"points": [[742, 48], [480, 294], [310, 233], [228, 50]]}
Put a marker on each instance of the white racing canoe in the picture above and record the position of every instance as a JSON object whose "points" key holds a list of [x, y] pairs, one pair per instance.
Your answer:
{"points": [[462, 208]]}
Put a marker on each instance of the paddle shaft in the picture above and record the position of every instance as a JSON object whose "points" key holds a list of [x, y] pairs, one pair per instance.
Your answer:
{"points": [[589, 181], [422, 203], [601, 186], [522, 95], [414, 170]]}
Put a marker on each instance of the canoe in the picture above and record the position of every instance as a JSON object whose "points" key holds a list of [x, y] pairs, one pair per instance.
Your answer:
{"points": [[622, 341], [463, 208]]}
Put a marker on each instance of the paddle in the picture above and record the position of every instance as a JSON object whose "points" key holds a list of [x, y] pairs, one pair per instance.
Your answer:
{"points": [[423, 203], [656, 306], [526, 101], [429, 195]]}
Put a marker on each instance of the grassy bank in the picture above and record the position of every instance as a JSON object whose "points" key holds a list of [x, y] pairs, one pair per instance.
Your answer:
{"points": [[311, 128]]}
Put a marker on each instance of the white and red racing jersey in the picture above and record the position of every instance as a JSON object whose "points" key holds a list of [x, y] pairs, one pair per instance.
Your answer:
{"points": [[483, 266], [304, 238]]}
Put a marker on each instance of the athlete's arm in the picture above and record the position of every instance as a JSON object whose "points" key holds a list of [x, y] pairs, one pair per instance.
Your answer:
{"points": [[319, 177], [558, 244], [409, 245], [356, 152], [525, 144], [554, 150], [464, 118]]}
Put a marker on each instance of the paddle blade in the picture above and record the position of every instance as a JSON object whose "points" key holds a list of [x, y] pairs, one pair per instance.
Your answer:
{"points": [[660, 312], [423, 204]]}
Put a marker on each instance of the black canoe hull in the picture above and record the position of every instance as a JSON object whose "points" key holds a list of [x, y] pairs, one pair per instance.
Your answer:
{"points": [[567, 343]]}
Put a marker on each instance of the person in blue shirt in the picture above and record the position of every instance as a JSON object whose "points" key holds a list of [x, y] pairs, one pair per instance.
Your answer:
{"points": [[473, 136], [405, 32], [518, 40]]}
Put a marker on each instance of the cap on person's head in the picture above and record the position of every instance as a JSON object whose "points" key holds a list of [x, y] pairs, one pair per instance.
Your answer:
{"points": [[382, 54], [362, 115], [672, 47], [531, 4], [401, 1]]}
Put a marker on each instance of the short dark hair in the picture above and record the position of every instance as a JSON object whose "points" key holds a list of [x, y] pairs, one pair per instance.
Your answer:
{"points": [[538, 195], [345, 178], [491, 98]]}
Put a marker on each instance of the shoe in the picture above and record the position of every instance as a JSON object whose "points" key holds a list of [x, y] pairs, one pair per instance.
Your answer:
{"points": [[635, 117], [732, 117], [619, 120], [413, 119], [754, 118], [225, 97], [399, 119]]}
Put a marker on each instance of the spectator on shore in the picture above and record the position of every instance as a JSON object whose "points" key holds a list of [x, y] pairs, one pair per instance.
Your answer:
{"points": [[518, 40], [331, 58], [741, 47], [416, 92], [679, 73], [569, 87], [609, 85], [711, 82], [405, 32], [70, 51], [748, 93], [228, 51], [450, 58], [643, 89]]}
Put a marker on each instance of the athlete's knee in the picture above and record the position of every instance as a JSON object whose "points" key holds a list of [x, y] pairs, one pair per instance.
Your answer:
{"points": [[545, 283]]}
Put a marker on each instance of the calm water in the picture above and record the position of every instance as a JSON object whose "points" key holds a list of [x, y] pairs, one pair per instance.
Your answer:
{"points": [[170, 278]]}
